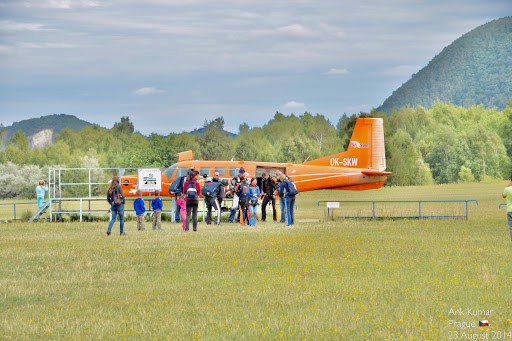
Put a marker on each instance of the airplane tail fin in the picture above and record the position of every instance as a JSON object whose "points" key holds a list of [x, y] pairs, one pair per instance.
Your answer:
{"points": [[365, 150]]}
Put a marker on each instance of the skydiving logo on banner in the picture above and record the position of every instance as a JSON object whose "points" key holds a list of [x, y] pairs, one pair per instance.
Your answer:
{"points": [[149, 180]]}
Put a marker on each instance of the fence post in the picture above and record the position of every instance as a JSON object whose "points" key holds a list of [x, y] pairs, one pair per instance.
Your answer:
{"points": [[90, 193], [374, 210], [204, 207], [419, 203], [14, 211], [80, 209], [466, 210]]}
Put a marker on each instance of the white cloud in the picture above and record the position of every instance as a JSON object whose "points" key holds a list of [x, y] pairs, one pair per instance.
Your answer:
{"points": [[46, 46], [21, 26], [336, 72], [4, 49], [401, 70], [294, 105], [147, 91], [296, 30], [62, 4]]}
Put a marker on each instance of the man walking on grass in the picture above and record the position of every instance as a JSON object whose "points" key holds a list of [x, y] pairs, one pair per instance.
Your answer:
{"points": [[507, 193]]}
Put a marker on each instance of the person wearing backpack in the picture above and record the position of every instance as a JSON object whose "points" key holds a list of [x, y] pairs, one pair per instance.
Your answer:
{"points": [[191, 190], [243, 198], [209, 192], [233, 185], [116, 200], [282, 203], [288, 190], [254, 193], [222, 189], [177, 194], [213, 192]]}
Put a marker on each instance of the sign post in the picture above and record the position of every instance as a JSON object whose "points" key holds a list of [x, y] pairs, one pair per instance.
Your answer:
{"points": [[149, 179], [330, 205]]}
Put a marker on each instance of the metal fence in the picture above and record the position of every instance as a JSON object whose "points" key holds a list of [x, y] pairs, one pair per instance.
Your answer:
{"points": [[14, 208], [418, 216]]}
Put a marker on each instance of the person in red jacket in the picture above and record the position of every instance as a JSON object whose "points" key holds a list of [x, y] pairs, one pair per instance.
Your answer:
{"points": [[191, 190]]}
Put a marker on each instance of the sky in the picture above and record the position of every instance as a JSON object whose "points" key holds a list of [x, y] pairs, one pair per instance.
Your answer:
{"points": [[169, 65]]}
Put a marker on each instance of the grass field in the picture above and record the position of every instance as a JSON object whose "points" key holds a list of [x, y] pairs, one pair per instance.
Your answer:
{"points": [[323, 279]]}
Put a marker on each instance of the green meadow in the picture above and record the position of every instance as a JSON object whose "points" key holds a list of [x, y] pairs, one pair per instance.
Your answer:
{"points": [[326, 278]]}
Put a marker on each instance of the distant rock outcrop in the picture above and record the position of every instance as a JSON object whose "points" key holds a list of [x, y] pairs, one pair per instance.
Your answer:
{"points": [[40, 131], [41, 139]]}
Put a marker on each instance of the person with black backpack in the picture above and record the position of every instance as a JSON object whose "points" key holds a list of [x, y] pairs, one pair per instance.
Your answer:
{"points": [[212, 190], [176, 189], [243, 194], [233, 185], [289, 191], [192, 190], [116, 200]]}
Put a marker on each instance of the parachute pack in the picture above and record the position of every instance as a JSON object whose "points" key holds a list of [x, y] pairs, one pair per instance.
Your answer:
{"points": [[242, 190], [292, 188], [211, 189]]}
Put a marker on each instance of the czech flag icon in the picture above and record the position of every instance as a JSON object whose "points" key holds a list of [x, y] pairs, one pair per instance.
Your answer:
{"points": [[483, 323]]}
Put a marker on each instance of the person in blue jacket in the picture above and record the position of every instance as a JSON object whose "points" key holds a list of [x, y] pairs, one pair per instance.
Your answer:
{"points": [[254, 193], [138, 206], [40, 191], [289, 200], [157, 205]]}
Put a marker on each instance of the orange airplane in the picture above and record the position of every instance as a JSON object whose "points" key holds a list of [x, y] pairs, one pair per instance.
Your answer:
{"points": [[361, 167]]}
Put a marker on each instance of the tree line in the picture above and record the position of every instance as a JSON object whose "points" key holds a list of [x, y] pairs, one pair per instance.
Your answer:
{"points": [[444, 144]]}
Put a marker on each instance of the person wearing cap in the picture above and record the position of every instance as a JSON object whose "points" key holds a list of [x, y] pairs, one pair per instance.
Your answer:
{"points": [[233, 186], [507, 193]]}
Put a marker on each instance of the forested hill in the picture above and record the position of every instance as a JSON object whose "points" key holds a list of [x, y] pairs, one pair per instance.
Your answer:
{"points": [[53, 122], [475, 69]]}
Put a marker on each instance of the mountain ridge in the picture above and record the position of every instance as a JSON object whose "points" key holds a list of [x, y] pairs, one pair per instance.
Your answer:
{"points": [[474, 69]]}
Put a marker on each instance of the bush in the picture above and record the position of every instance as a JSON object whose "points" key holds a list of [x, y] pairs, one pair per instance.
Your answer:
{"points": [[26, 215], [486, 179], [19, 181], [466, 175]]}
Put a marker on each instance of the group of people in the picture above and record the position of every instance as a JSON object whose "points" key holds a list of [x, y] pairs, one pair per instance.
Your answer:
{"points": [[246, 199], [116, 200], [246, 194]]}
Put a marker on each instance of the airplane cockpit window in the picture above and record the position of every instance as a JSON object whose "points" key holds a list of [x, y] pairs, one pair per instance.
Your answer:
{"points": [[182, 171], [170, 171]]}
